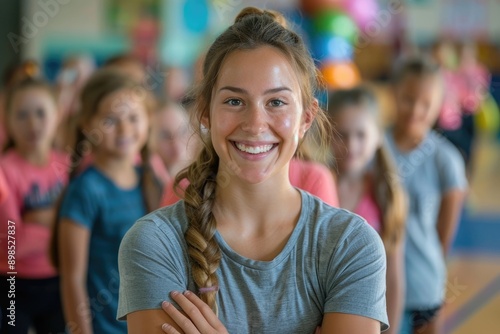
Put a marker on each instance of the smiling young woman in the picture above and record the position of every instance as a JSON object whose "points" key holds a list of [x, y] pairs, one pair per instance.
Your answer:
{"points": [[263, 256]]}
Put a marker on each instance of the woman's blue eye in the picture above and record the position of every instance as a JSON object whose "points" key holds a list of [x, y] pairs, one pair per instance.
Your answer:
{"points": [[277, 103], [233, 102]]}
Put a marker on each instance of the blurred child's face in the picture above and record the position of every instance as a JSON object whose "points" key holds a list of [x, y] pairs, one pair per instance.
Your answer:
{"points": [[418, 100], [176, 84], [358, 139], [172, 136], [32, 119], [122, 119]]}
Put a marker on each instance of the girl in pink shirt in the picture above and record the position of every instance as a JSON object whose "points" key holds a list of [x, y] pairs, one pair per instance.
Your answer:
{"points": [[35, 175], [367, 182]]}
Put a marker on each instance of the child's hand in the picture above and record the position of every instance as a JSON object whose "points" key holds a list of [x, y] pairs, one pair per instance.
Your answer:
{"points": [[201, 319], [45, 217]]}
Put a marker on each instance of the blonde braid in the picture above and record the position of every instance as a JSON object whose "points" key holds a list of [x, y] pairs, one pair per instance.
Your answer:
{"points": [[199, 198]]}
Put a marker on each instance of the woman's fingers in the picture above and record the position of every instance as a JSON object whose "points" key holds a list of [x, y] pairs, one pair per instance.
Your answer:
{"points": [[196, 316], [193, 307], [169, 329], [208, 315], [180, 319]]}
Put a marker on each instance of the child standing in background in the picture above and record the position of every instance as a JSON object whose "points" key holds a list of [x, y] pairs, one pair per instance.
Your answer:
{"points": [[74, 73], [12, 75], [433, 175], [33, 185], [363, 167], [175, 142], [104, 201]]}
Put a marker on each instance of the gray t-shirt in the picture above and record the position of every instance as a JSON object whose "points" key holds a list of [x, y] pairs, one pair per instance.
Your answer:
{"points": [[427, 173], [333, 262]]}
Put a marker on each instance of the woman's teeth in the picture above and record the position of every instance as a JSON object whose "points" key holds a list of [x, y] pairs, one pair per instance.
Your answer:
{"points": [[254, 149]]}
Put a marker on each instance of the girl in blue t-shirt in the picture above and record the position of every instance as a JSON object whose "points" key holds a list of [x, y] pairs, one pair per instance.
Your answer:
{"points": [[104, 201]]}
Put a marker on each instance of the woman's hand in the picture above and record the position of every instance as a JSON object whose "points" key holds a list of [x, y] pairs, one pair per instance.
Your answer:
{"points": [[198, 317]]}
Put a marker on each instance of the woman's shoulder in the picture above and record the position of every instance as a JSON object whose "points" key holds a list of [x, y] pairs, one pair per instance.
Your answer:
{"points": [[339, 235], [334, 223], [166, 223]]}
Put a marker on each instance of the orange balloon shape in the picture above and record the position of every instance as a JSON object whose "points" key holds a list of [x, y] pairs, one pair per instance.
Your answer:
{"points": [[341, 75]]}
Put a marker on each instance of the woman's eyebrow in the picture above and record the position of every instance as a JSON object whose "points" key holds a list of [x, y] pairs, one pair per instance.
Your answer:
{"points": [[243, 91]]}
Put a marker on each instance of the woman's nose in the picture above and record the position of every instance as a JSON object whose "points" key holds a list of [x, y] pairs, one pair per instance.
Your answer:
{"points": [[255, 120]]}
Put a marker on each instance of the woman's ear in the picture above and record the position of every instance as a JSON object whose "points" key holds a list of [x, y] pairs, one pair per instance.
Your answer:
{"points": [[308, 116], [205, 121]]}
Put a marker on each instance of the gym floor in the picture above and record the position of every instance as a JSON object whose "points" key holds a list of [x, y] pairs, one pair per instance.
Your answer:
{"points": [[473, 289]]}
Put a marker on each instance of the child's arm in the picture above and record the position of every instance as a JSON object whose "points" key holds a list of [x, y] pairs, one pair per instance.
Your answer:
{"points": [[449, 212], [44, 217], [395, 292], [29, 238], [73, 258]]}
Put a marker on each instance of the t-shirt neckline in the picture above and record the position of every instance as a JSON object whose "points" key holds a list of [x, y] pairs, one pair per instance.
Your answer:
{"points": [[289, 246], [108, 180]]}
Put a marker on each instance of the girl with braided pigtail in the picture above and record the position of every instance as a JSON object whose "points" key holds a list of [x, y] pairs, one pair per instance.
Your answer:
{"points": [[245, 251]]}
